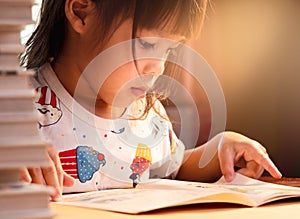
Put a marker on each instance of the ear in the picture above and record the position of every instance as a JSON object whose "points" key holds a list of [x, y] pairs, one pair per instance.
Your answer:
{"points": [[77, 12]]}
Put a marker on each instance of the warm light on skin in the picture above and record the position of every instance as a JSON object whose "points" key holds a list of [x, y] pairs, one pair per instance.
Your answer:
{"points": [[132, 80]]}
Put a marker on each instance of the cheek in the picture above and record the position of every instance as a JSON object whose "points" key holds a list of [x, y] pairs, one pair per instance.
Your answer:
{"points": [[119, 78], [123, 74]]}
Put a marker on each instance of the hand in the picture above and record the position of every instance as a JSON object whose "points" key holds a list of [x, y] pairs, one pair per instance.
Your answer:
{"points": [[249, 156], [52, 175]]}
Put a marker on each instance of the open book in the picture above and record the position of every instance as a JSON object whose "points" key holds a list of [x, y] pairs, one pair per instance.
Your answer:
{"points": [[164, 193]]}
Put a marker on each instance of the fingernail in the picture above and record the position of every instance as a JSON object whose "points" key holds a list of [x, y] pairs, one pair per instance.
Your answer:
{"points": [[229, 177], [279, 175], [26, 178], [57, 198]]}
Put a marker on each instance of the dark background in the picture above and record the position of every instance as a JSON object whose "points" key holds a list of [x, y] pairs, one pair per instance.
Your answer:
{"points": [[254, 48]]}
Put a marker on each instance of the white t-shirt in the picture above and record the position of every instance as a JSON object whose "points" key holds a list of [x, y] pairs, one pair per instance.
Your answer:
{"points": [[102, 153]]}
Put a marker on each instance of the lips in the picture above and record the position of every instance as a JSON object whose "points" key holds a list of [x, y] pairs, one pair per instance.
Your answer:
{"points": [[138, 91]]}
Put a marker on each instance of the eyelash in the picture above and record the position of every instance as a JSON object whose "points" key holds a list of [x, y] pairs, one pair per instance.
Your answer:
{"points": [[146, 45]]}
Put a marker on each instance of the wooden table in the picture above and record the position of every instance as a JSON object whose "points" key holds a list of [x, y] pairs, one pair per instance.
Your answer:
{"points": [[284, 209]]}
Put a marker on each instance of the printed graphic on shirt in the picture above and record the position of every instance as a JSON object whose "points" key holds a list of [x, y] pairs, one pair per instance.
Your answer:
{"points": [[48, 105], [82, 162], [120, 131], [140, 163], [172, 142]]}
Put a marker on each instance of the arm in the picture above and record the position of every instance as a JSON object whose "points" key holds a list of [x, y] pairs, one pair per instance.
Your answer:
{"points": [[222, 154]]}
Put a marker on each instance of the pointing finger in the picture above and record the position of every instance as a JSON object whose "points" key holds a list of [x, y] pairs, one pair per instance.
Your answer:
{"points": [[226, 157]]}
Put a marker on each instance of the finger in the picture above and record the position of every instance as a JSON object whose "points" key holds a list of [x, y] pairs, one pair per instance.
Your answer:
{"points": [[252, 169], [50, 174], [226, 158], [57, 165], [256, 152], [68, 180], [25, 176], [256, 144], [262, 158], [64, 179], [268, 165], [51, 179], [36, 175]]}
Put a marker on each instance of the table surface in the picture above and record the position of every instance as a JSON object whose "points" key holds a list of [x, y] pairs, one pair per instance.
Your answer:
{"points": [[280, 209]]}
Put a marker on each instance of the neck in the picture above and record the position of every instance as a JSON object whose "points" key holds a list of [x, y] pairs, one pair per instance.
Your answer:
{"points": [[83, 94], [107, 111], [69, 68], [100, 108]]}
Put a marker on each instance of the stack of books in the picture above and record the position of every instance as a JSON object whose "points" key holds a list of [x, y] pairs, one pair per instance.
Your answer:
{"points": [[14, 15], [21, 145]]}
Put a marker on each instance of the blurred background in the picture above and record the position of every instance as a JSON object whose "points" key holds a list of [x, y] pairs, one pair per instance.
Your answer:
{"points": [[254, 48]]}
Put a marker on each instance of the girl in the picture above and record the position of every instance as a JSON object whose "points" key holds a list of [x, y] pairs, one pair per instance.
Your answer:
{"points": [[110, 130]]}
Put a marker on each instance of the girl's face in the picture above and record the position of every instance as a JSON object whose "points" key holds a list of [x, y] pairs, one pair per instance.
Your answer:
{"points": [[131, 80]]}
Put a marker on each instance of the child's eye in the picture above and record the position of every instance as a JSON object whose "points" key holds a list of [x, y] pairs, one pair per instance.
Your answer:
{"points": [[145, 44]]}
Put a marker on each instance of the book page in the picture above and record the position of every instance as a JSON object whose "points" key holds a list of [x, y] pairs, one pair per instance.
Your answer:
{"points": [[168, 193], [135, 200]]}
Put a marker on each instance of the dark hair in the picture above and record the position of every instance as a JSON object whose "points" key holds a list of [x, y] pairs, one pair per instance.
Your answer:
{"points": [[47, 40], [183, 17]]}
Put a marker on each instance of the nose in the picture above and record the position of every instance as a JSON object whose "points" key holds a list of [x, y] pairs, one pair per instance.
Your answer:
{"points": [[152, 66]]}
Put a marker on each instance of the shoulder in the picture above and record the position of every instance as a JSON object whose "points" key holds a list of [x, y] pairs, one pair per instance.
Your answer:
{"points": [[38, 78]]}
